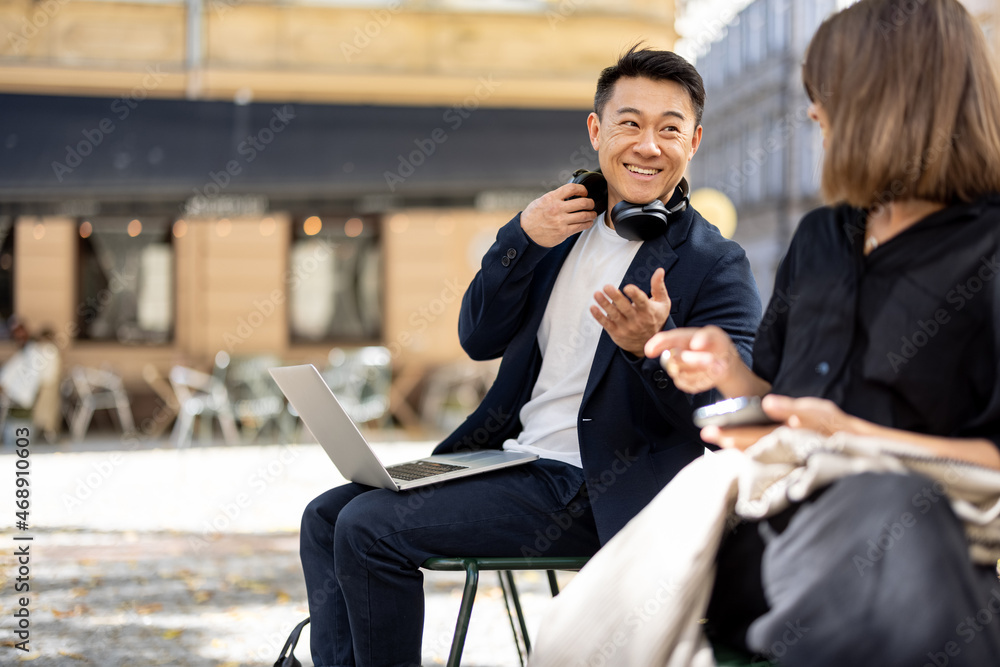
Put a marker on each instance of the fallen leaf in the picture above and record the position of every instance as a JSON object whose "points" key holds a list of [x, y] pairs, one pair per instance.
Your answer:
{"points": [[283, 597], [201, 597], [79, 592], [75, 656], [77, 610], [173, 633], [256, 586], [151, 608]]}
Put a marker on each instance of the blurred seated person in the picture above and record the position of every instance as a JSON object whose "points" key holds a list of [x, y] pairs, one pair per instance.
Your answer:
{"points": [[29, 380]]}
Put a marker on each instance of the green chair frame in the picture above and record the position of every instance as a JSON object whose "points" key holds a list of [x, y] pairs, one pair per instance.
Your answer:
{"points": [[505, 567]]}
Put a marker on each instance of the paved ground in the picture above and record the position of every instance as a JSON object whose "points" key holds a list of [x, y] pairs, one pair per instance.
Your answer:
{"points": [[154, 556]]}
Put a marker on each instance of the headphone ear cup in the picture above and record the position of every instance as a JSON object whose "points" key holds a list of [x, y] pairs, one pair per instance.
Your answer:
{"points": [[597, 188], [618, 211], [640, 222]]}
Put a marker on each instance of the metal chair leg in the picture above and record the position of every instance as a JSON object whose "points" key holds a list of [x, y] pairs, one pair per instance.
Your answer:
{"points": [[508, 590], [553, 582], [464, 612], [520, 613]]}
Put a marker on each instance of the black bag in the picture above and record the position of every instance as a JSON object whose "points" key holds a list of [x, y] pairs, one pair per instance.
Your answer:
{"points": [[290, 660]]}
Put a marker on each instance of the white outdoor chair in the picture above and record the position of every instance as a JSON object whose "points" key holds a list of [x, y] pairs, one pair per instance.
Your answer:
{"points": [[360, 379], [257, 401], [201, 395], [97, 389]]}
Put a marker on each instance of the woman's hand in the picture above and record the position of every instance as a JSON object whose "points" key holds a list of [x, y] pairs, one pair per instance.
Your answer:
{"points": [[699, 359], [736, 437], [814, 414], [696, 359]]}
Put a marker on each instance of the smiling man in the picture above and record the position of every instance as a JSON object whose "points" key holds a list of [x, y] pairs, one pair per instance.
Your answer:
{"points": [[569, 304]]}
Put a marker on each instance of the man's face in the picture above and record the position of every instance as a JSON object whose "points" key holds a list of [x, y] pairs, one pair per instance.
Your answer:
{"points": [[644, 139]]}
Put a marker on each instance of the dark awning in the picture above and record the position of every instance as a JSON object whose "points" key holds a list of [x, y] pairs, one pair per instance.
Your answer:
{"points": [[101, 149]]}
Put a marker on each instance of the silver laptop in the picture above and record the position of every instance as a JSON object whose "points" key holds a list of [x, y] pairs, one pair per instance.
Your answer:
{"points": [[350, 452]]}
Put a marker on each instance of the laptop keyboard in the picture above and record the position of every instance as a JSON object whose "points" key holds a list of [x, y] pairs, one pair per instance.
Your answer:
{"points": [[420, 469]]}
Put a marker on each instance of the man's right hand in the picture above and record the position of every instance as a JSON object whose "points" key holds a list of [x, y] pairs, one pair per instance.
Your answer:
{"points": [[553, 217]]}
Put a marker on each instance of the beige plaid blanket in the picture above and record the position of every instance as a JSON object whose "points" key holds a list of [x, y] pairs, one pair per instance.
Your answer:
{"points": [[640, 600]]}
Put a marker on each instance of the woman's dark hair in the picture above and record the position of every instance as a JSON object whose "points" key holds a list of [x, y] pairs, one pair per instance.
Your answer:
{"points": [[656, 65]]}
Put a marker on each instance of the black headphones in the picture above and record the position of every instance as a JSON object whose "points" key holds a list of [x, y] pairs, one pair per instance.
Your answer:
{"points": [[635, 222]]}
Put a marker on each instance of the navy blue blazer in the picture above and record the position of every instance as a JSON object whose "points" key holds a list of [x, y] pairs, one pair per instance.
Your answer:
{"points": [[634, 426]]}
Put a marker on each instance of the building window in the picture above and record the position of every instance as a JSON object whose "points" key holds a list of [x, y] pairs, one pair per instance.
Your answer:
{"points": [[709, 66], [754, 162], [696, 172], [126, 280], [810, 16], [734, 51], [336, 280], [778, 21], [755, 32], [810, 142], [6, 268], [735, 179], [775, 170]]}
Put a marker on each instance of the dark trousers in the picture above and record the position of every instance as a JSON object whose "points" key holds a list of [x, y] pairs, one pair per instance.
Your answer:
{"points": [[361, 550], [873, 570]]}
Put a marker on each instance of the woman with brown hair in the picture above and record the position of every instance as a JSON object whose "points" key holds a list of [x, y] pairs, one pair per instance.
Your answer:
{"points": [[893, 331]]}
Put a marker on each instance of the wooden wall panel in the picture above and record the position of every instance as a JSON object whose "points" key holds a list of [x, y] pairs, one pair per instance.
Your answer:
{"points": [[304, 53], [428, 268], [45, 272]]}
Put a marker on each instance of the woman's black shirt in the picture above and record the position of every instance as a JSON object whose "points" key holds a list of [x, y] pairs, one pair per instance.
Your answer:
{"points": [[906, 337]]}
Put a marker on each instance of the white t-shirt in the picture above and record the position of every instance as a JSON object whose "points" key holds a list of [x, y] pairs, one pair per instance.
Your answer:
{"points": [[568, 338]]}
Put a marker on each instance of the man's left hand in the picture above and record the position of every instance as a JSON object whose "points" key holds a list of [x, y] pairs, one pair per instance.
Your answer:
{"points": [[629, 316]]}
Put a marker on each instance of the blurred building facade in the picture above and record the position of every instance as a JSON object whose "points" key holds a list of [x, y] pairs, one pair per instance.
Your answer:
{"points": [[180, 177], [759, 146]]}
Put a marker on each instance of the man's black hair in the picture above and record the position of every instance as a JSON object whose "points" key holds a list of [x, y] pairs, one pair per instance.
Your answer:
{"points": [[655, 65]]}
